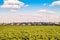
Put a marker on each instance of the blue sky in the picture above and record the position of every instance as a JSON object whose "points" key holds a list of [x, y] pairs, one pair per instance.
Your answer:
{"points": [[50, 8], [37, 4], [37, 1]]}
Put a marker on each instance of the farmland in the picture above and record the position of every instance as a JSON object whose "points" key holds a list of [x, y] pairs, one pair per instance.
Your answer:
{"points": [[15, 32]]}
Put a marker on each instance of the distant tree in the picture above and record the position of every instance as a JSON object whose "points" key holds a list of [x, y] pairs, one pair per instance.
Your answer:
{"points": [[59, 22]]}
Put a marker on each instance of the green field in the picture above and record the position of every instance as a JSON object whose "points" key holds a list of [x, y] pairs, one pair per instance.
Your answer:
{"points": [[15, 32]]}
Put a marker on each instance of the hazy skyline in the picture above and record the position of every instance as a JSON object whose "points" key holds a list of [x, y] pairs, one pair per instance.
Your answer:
{"points": [[29, 10]]}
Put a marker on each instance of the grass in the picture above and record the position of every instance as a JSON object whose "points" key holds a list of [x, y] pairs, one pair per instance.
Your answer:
{"points": [[15, 32]]}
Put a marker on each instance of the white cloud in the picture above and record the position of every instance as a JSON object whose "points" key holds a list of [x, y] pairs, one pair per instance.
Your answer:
{"points": [[55, 3], [28, 18], [26, 5], [44, 4], [13, 10], [46, 11], [14, 4]]}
